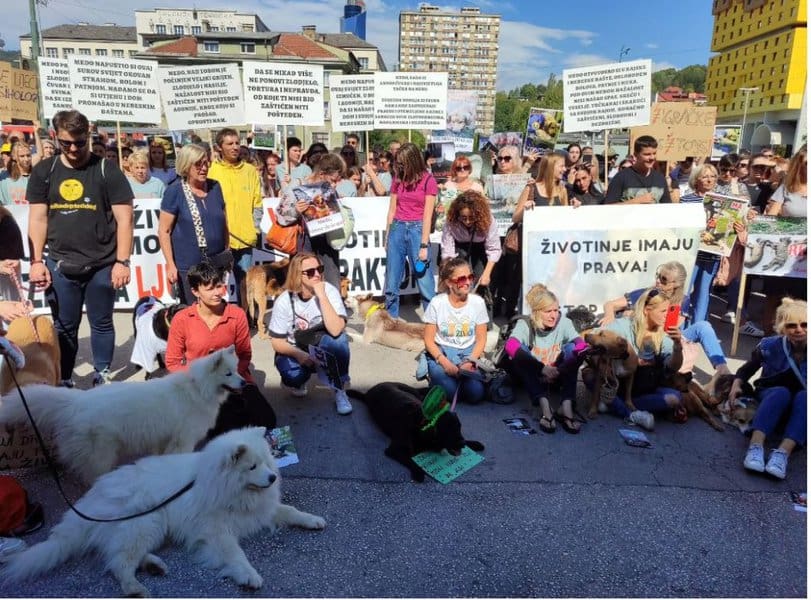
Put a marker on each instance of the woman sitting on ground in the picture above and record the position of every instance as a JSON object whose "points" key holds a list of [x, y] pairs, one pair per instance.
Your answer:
{"points": [[533, 350], [210, 324], [455, 333], [309, 304], [781, 388]]}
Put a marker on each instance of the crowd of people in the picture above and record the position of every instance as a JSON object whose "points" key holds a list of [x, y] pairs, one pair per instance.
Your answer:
{"points": [[210, 211]]}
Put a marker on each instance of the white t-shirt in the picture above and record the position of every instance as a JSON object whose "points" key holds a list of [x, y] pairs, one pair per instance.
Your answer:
{"points": [[283, 321], [456, 327], [147, 345]]}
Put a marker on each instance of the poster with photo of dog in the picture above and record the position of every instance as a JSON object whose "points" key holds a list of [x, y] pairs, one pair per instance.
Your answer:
{"points": [[777, 247], [460, 120], [324, 211], [501, 139], [504, 191], [543, 127]]}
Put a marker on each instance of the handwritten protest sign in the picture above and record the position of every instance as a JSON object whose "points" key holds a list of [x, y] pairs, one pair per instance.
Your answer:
{"points": [[352, 102], [54, 83], [206, 96], [445, 467], [611, 250], [18, 93], [777, 247], [110, 89], [681, 128], [607, 96], [283, 93], [410, 100]]}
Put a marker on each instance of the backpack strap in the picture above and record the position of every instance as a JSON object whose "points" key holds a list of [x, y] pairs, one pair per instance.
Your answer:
{"points": [[792, 363]]}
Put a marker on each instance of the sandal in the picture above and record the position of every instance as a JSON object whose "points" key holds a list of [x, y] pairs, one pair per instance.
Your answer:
{"points": [[567, 423], [547, 428]]}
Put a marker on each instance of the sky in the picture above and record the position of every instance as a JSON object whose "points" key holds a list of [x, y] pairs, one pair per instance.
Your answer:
{"points": [[537, 38]]}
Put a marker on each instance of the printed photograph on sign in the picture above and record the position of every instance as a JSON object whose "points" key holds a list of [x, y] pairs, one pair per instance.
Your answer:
{"points": [[722, 214], [777, 246], [725, 140], [543, 127], [499, 140], [323, 212], [504, 191], [168, 144], [264, 137]]}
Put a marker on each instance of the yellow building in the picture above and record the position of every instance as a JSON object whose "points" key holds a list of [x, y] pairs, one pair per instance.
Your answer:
{"points": [[759, 68]]}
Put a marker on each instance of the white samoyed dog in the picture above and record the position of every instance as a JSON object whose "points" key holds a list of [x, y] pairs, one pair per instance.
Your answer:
{"points": [[235, 494], [93, 430]]}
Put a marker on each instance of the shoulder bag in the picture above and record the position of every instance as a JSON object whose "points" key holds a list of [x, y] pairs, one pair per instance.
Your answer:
{"points": [[224, 260], [311, 336], [283, 238]]}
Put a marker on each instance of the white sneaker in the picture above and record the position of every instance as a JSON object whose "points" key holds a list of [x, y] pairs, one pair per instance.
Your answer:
{"points": [[754, 459], [728, 317], [9, 546], [642, 418], [298, 392], [778, 461], [752, 330], [342, 404]]}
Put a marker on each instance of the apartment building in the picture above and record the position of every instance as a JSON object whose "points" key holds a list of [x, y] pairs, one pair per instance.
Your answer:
{"points": [[162, 24], [61, 41]]}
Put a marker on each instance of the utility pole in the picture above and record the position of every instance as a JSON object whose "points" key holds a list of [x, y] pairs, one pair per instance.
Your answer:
{"points": [[747, 91], [34, 64]]}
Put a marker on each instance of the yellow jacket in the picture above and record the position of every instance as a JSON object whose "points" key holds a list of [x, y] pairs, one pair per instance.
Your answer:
{"points": [[243, 199]]}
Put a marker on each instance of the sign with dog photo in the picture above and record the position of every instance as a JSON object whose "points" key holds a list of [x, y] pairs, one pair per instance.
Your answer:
{"points": [[777, 247], [543, 128]]}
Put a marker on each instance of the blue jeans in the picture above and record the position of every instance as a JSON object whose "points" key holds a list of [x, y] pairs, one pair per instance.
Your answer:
{"points": [[294, 374], [653, 402], [701, 283], [471, 388], [527, 370], [243, 260], [66, 296], [777, 403], [403, 243], [703, 333]]}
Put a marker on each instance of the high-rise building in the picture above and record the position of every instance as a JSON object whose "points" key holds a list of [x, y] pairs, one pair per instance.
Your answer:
{"points": [[354, 19], [464, 44], [759, 68]]}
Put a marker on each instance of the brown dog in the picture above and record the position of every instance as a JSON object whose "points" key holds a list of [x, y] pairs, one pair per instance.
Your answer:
{"points": [[695, 399], [41, 357], [742, 411], [262, 281], [382, 328], [613, 361]]}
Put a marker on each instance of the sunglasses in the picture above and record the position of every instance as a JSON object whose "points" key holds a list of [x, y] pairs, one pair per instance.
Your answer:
{"points": [[727, 170], [664, 280], [311, 272], [651, 295], [504, 158], [202, 164], [463, 168], [66, 144], [759, 168], [804, 325], [463, 279], [743, 165]]}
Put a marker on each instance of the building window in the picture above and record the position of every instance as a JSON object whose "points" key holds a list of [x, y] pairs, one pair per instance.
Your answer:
{"points": [[101, 51], [247, 27], [247, 47], [84, 51], [364, 62], [196, 30], [321, 137], [160, 29], [67, 52], [230, 28], [52, 52], [178, 29], [133, 53], [211, 47], [118, 53]]}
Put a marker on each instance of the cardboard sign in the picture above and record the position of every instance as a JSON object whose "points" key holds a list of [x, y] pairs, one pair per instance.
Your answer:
{"points": [[445, 467], [54, 83], [607, 96], [409, 100], [283, 93], [681, 128], [352, 102], [18, 93], [206, 96], [110, 89]]}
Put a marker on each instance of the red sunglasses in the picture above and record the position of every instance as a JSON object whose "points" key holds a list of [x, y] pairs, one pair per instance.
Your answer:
{"points": [[463, 279]]}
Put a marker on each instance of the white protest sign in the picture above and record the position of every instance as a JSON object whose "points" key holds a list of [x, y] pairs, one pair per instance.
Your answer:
{"points": [[607, 96], [54, 85], [410, 100], [352, 102], [205, 96], [599, 253], [283, 93]]}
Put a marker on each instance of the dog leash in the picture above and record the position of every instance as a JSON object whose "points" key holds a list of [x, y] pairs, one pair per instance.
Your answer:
{"points": [[52, 466], [26, 302], [265, 250]]}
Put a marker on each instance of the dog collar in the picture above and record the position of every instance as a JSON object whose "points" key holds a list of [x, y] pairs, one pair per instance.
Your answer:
{"points": [[372, 310], [433, 407]]}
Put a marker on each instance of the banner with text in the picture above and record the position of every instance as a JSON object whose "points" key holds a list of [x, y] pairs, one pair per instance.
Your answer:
{"points": [[777, 247], [206, 96], [409, 100], [109, 89], [599, 253], [681, 128], [18, 93], [352, 102], [607, 96], [54, 85], [283, 93]]}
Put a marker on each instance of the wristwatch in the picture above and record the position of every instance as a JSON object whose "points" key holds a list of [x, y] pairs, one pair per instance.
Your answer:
{"points": [[422, 246], [125, 262]]}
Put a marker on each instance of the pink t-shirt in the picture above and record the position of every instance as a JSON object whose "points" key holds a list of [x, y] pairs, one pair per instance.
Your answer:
{"points": [[411, 199]]}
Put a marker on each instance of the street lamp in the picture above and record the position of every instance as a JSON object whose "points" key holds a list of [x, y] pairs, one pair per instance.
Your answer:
{"points": [[747, 91]]}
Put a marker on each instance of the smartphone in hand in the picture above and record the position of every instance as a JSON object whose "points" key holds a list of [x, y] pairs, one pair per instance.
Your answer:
{"points": [[672, 319]]}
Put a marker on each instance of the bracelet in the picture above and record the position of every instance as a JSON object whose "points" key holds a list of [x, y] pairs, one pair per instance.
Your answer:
{"points": [[423, 246], [37, 262]]}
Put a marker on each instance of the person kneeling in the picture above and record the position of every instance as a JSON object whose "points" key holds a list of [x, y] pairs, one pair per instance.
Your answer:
{"points": [[310, 313], [455, 333]]}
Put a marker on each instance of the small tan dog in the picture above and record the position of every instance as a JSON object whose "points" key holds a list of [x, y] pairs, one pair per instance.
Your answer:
{"points": [[262, 281], [614, 362], [41, 357], [382, 328], [694, 397], [738, 414]]}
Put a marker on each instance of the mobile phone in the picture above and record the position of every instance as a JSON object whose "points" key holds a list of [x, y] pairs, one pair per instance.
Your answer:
{"points": [[587, 159], [672, 319]]}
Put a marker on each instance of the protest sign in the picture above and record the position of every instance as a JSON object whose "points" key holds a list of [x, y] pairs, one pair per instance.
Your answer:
{"points": [[543, 127], [205, 96], [722, 213], [18, 93], [111, 89], [598, 253], [607, 96], [681, 128], [168, 144], [504, 191], [501, 139], [410, 100], [54, 84], [283, 93], [446, 467], [323, 213], [460, 121], [725, 139], [352, 102], [264, 137], [280, 440], [777, 247]]}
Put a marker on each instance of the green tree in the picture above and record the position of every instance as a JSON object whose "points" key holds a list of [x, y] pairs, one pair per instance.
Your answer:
{"points": [[384, 137]]}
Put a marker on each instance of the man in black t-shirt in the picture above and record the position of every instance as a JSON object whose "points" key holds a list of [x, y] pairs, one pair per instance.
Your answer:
{"points": [[642, 183], [81, 206]]}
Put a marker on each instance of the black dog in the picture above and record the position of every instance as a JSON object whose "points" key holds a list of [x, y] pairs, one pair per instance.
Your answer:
{"points": [[397, 410], [152, 344]]}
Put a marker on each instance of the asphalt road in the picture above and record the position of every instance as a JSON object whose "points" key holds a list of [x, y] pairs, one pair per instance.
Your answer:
{"points": [[543, 515]]}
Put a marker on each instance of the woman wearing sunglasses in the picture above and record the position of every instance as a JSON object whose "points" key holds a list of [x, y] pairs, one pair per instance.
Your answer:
{"points": [[455, 333], [314, 306], [781, 388]]}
